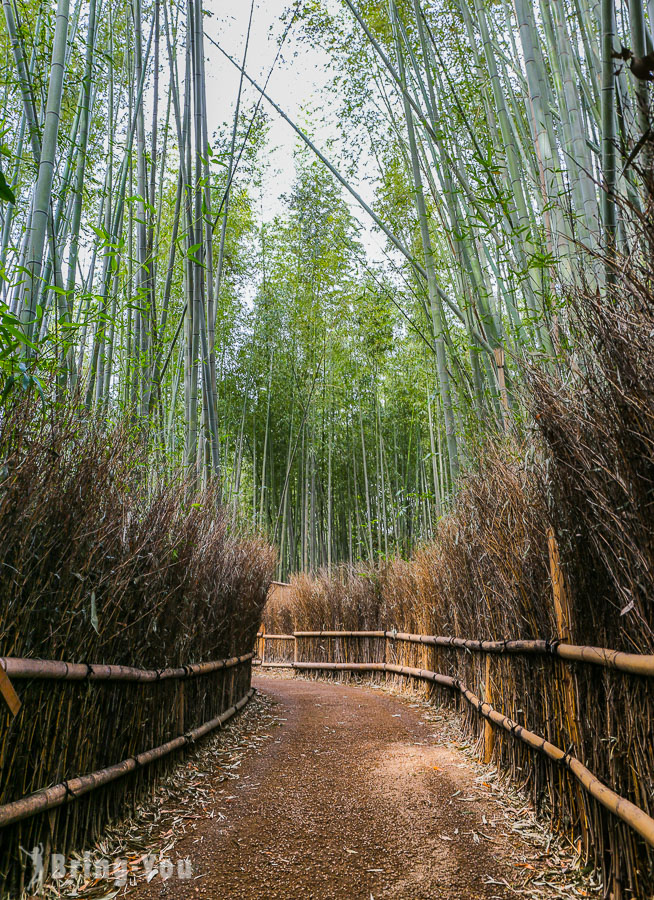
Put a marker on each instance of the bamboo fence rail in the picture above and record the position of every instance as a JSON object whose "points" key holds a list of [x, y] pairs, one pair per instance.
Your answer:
{"points": [[16, 667], [635, 663]]}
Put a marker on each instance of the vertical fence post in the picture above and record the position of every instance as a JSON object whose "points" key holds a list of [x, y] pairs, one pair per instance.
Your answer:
{"points": [[563, 633], [294, 648], [562, 614], [489, 734]]}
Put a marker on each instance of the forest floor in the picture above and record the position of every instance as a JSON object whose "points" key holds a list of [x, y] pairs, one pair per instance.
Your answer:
{"points": [[332, 792]]}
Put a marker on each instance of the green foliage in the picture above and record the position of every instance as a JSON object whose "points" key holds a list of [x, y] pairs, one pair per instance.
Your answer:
{"points": [[6, 192], [330, 376]]}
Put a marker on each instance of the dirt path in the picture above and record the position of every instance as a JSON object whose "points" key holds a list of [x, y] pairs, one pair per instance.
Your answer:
{"points": [[351, 798]]}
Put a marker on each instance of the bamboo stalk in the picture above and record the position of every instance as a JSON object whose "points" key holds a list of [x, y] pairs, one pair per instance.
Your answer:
{"points": [[41, 210], [609, 164]]}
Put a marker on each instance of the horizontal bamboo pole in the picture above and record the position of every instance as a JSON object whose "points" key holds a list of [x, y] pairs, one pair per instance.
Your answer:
{"points": [[330, 634], [275, 637], [520, 646], [58, 794], [272, 665], [624, 809], [19, 668], [634, 663]]}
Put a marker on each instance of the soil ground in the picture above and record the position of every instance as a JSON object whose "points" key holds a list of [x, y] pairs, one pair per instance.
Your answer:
{"points": [[351, 799]]}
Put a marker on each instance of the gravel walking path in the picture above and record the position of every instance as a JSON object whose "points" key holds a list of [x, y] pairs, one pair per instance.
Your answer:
{"points": [[352, 798]]}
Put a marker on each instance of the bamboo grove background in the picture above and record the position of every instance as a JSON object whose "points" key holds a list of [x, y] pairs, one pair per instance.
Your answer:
{"points": [[335, 396]]}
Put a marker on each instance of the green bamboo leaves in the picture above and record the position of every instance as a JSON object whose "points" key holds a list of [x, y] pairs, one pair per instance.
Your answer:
{"points": [[334, 393], [6, 192]]}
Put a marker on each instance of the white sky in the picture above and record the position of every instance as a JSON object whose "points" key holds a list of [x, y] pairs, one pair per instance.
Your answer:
{"points": [[296, 85]]}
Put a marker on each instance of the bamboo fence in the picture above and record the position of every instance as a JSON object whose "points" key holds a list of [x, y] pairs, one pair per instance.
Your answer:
{"points": [[571, 723], [67, 724], [274, 650]]}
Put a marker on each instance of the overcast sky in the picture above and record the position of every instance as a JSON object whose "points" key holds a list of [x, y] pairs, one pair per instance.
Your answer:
{"points": [[296, 84]]}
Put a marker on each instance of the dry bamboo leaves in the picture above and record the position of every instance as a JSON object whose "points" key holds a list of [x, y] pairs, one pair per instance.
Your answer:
{"points": [[547, 865], [191, 793]]}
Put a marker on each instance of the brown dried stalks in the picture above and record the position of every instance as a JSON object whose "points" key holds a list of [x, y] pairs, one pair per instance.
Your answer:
{"points": [[597, 426], [101, 566]]}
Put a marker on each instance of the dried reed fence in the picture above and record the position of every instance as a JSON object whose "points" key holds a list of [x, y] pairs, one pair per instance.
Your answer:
{"points": [[603, 813], [105, 562], [274, 649]]}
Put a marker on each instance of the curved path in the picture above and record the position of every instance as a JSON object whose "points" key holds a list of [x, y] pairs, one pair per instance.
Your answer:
{"points": [[352, 799]]}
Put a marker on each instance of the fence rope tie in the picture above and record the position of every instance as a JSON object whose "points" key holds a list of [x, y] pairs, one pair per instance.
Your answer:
{"points": [[69, 793], [565, 759], [89, 670]]}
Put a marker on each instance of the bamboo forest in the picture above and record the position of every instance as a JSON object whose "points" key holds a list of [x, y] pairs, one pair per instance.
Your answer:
{"points": [[326, 369]]}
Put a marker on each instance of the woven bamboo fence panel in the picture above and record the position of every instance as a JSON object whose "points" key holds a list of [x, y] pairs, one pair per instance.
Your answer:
{"points": [[77, 721]]}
